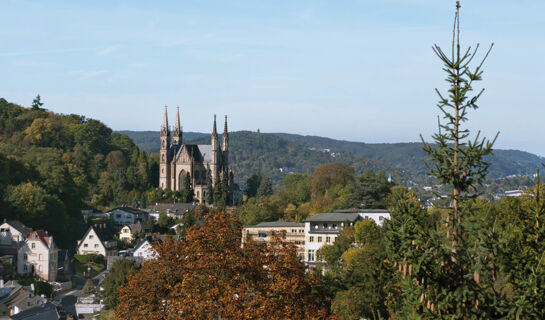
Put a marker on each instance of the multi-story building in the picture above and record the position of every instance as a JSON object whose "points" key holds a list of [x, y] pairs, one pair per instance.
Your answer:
{"points": [[38, 255], [323, 229], [377, 215], [264, 233]]}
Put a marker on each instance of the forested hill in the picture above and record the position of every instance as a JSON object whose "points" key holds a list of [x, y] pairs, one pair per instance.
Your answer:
{"points": [[267, 152], [52, 166]]}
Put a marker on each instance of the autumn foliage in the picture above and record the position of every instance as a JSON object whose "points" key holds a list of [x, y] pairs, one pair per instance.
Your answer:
{"points": [[209, 276]]}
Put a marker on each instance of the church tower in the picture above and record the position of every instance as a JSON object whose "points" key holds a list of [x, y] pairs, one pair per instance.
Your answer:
{"points": [[164, 168], [215, 152], [177, 134], [225, 145]]}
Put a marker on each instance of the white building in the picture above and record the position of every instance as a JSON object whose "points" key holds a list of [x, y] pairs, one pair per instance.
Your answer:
{"points": [[38, 255], [126, 215], [377, 215], [322, 229], [12, 232], [98, 240], [145, 251]]}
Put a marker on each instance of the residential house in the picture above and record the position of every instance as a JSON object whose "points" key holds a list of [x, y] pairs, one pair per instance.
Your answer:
{"points": [[98, 240], [15, 298], [128, 232], [13, 232], [265, 232], [126, 215], [145, 251], [38, 254]]}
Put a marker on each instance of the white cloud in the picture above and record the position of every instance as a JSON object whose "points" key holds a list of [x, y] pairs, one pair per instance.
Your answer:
{"points": [[106, 51], [92, 74]]}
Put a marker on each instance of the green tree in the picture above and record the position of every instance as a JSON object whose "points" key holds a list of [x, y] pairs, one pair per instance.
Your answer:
{"points": [[88, 287], [187, 193], [265, 187], [209, 186], [455, 273], [117, 277], [37, 103]]}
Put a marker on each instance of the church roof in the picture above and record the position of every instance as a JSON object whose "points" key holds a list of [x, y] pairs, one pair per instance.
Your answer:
{"points": [[200, 152], [206, 151]]}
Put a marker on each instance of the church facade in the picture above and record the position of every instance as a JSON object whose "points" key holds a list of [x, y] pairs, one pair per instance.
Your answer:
{"points": [[198, 160]]}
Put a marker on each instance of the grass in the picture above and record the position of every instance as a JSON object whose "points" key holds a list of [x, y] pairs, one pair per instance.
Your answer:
{"points": [[88, 265]]}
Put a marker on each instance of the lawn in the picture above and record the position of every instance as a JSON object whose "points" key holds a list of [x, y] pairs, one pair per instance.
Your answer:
{"points": [[88, 265]]}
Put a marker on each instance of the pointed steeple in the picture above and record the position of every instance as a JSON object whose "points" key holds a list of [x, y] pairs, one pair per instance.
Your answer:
{"points": [[214, 129], [177, 135], [164, 127], [225, 144]]}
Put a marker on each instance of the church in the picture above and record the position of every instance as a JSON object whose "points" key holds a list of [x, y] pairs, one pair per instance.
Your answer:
{"points": [[177, 159]]}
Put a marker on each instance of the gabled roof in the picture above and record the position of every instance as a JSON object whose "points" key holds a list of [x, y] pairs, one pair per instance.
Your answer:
{"points": [[178, 208], [102, 232], [41, 235], [19, 226], [333, 217], [199, 152], [46, 311]]}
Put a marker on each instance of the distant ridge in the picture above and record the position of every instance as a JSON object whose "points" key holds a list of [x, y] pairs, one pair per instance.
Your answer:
{"points": [[268, 152]]}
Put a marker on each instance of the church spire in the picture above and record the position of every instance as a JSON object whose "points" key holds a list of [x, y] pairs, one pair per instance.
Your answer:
{"points": [[225, 144], [164, 127], [177, 136], [214, 130]]}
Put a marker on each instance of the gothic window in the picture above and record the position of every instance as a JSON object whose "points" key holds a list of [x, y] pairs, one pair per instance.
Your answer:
{"points": [[163, 157], [163, 170], [164, 143]]}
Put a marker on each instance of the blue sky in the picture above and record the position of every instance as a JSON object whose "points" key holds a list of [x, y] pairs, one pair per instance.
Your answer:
{"points": [[353, 70]]}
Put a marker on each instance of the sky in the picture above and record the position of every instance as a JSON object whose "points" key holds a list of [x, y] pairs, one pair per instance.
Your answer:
{"points": [[352, 70]]}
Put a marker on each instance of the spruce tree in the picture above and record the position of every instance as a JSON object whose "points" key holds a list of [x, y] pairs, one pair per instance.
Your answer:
{"points": [[209, 186], [187, 193], [37, 103], [449, 273]]}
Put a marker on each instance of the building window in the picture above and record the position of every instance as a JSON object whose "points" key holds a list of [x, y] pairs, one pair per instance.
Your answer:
{"points": [[262, 234], [334, 226], [25, 256], [325, 225], [91, 236], [25, 268], [85, 245], [311, 255], [311, 239], [96, 245], [328, 239], [319, 239], [380, 218], [33, 246]]}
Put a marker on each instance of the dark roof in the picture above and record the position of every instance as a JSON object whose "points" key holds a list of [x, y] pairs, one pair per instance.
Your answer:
{"points": [[334, 216], [46, 311], [130, 210], [19, 226], [137, 227], [178, 208], [353, 210], [278, 224]]}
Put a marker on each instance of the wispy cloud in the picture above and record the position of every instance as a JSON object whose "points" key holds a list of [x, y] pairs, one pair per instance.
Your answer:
{"points": [[106, 51], [92, 74]]}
